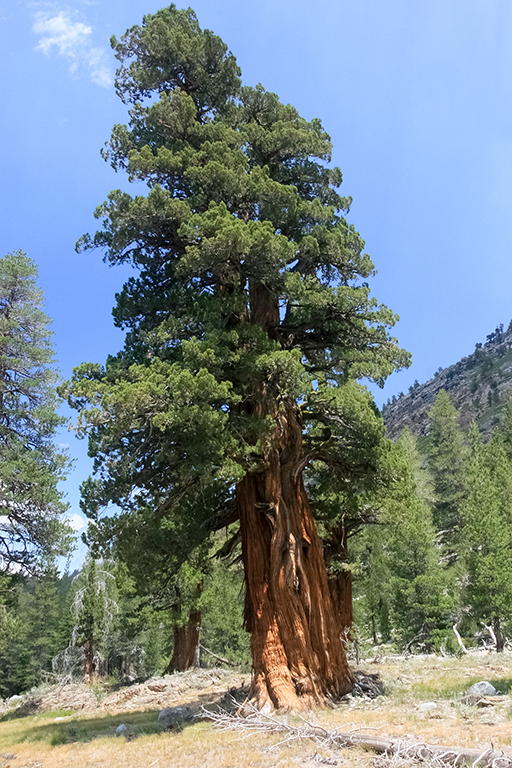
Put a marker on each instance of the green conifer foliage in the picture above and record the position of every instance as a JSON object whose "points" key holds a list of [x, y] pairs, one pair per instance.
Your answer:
{"points": [[222, 607], [505, 427], [487, 541], [32, 636], [371, 586], [94, 608], [250, 313], [31, 464], [13, 657], [421, 593], [445, 456], [407, 591], [44, 640], [134, 643], [347, 501]]}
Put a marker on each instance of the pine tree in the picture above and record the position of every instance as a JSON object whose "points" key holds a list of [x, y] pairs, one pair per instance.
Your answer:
{"points": [[421, 594], [37, 630], [94, 608], [371, 585], [487, 542], [250, 314], [505, 426], [43, 621], [406, 590], [159, 552], [348, 501], [445, 456], [13, 656], [222, 608], [31, 464], [133, 645]]}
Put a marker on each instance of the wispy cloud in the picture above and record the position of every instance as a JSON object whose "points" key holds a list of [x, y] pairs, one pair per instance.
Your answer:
{"points": [[72, 39], [76, 521]]}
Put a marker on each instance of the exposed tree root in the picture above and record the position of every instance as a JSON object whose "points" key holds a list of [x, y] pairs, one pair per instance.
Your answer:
{"points": [[257, 722]]}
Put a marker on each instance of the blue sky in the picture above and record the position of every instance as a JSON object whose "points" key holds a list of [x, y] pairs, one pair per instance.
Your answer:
{"points": [[417, 97]]}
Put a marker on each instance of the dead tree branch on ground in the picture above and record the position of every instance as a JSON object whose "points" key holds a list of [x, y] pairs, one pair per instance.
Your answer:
{"points": [[256, 722]]}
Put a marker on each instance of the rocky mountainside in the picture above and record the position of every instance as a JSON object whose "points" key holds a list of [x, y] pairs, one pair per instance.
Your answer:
{"points": [[478, 385]]}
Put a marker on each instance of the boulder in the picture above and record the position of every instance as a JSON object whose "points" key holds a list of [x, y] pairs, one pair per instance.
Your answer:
{"points": [[171, 717], [121, 730], [482, 689], [427, 706]]}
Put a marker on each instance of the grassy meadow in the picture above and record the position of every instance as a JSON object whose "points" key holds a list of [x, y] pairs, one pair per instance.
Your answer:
{"points": [[59, 739]]}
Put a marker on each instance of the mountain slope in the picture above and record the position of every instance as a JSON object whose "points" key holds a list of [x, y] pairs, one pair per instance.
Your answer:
{"points": [[478, 386]]}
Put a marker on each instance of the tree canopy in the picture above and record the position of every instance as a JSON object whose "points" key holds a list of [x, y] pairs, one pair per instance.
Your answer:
{"points": [[250, 276]]}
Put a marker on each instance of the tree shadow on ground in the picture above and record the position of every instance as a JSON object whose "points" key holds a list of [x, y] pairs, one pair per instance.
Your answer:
{"points": [[68, 731], [72, 727]]}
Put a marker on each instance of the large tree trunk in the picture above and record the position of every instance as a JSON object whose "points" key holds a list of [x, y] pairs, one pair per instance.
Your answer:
{"points": [[340, 587], [297, 655], [186, 644], [340, 580], [90, 668], [500, 638]]}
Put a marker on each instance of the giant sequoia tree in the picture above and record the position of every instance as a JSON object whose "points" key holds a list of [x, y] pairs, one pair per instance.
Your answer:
{"points": [[247, 327]]}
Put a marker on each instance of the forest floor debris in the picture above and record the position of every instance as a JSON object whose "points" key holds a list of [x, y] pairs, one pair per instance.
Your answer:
{"points": [[412, 751], [87, 737]]}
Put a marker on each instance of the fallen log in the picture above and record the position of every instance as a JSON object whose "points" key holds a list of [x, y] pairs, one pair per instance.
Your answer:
{"points": [[450, 756]]}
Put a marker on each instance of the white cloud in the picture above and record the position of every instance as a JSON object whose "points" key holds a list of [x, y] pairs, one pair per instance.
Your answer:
{"points": [[72, 39], [76, 521]]}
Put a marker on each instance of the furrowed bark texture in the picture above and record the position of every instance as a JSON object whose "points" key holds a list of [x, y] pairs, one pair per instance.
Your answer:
{"points": [[298, 657], [340, 582], [186, 644], [340, 587], [500, 637], [297, 654], [90, 667]]}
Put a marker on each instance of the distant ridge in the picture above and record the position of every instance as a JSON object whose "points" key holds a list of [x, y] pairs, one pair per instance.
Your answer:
{"points": [[478, 386]]}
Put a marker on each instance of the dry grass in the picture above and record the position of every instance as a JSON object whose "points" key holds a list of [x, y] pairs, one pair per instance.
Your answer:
{"points": [[56, 741]]}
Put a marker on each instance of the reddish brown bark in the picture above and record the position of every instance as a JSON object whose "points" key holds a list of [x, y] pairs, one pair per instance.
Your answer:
{"points": [[298, 658], [90, 666], [340, 587], [186, 643], [297, 655], [340, 580]]}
